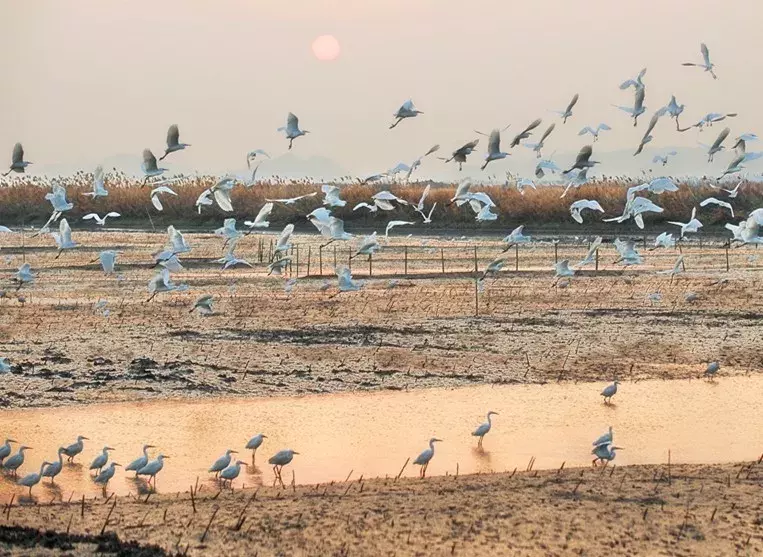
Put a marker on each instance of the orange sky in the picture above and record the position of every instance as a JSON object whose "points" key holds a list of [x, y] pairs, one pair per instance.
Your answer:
{"points": [[88, 79]]}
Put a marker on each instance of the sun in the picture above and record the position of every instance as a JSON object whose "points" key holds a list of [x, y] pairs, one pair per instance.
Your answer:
{"points": [[326, 48]]}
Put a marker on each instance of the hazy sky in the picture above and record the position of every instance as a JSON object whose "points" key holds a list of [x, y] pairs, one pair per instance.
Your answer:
{"points": [[85, 80]]}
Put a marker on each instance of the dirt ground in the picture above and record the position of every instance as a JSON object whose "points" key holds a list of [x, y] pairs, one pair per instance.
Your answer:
{"points": [[432, 330], [638, 510]]}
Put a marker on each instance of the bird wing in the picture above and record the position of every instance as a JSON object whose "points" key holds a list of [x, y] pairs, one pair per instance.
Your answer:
{"points": [[572, 102], [264, 213], [534, 124], [652, 124], [292, 122], [494, 143], [18, 153], [587, 129], [433, 149], [222, 197], [173, 136], [162, 189], [548, 131], [285, 234], [640, 94], [156, 202], [91, 216], [583, 156], [705, 54], [721, 138], [423, 197], [149, 160]]}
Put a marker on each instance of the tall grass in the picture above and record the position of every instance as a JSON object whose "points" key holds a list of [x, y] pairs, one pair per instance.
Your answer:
{"points": [[22, 201]]}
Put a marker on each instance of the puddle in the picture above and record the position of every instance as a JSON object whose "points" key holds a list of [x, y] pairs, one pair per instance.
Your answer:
{"points": [[373, 433]]}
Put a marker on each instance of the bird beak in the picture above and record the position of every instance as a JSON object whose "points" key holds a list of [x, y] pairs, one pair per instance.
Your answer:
{"points": [[86, 438], [235, 452], [150, 446], [117, 464], [618, 448], [12, 441], [110, 448], [295, 452], [264, 436]]}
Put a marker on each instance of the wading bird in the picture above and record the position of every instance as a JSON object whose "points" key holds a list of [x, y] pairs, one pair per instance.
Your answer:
{"points": [[279, 460], [106, 474], [345, 282], [577, 208], [712, 369], [638, 105], [426, 456], [537, 147], [63, 238], [692, 226], [605, 438], [54, 469], [494, 267], [173, 141], [254, 443], [260, 221], [100, 461], [75, 448], [231, 472], [291, 129], [152, 468], [583, 160], [460, 154], [31, 480], [12, 463], [610, 391], [525, 133], [717, 145], [204, 305], [150, 167], [5, 448], [99, 190], [494, 149], [139, 462], [161, 283], [604, 453], [221, 463], [483, 429], [647, 138]]}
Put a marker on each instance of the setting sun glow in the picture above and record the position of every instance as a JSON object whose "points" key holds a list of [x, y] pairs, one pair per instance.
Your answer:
{"points": [[326, 48]]}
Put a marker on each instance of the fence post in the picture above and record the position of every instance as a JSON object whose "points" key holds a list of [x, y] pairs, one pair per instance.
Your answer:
{"points": [[442, 259], [597, 260], [320, 261], [291, 262], [334, 256], [349, 258], [475, 259], [270, 250], [370, 265], [309, 253], [476, 297], [556, 252], [297, 260], [644, 241], [259, 250], [405, 259], [727, 256], [516, 257]]}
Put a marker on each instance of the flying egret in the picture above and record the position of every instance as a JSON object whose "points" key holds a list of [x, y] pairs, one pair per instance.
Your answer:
{"points": [[494, 149], [664, 240], [712, 369], [152, 468], [254, 443], [426, 456], [58, 200], [393, 223], [610, 391], [583, 160], [31, 480], [291, 129], [221, 463], [331, 229], [228, 231], [5, 448], [12, 463], [460, 154], [278, 266], [203, 304], [260, 221], [386, 195], [677, 269], [647, 138], [567, 112], [546, 165], [493, 267], [562, 269], [417, 163], [673, 109], [516, 237], [706, 64], [638, 105], [173, 141], [18, 164], [54, 468], [221, 192], [636, 83], [155, 200], [483, 429], [24, 275], [525, 133], [628, 255], [292, 200], [604, 453], [63, 238], [99, 190], [538, 147], [741, 157], [368, 245], [252, 155], [150, 167], [229, 259], [733, 193], [231, 472], [139, 462], [101, 221], [717, 145], [407, 110], [75, 448], [100, 461], [106, 474], [709, 119], [108, 259], [345, 282], [283, 244], [635, 207], [204, 200], [331, 196], [714, 201], [605, 438], [595, 131], [580, 205], [692, 226], [591, 254], [279, 460], [663, 159], [161, 283]]}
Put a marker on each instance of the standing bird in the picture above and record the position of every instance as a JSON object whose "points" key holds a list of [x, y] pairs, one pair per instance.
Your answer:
{"points": [[583, 160], [610, 391], [231, 472], [279, 460], [152, 468], [483, 429], [139, 462], [525, 133], [254, 443], [567, 112], [75, 448], [706, 64], [100, 461], [5, 448], [221, 463], [18, 164], [494, 148], [712, 369], [604, 453], [31, 480], [638, 105], [13, 463], [150, 167], [291, 129], [426, 456], [407, 110], [537, 147], [460, 154], [647, 134], [54, 469], [106, 474], [173, 141]]}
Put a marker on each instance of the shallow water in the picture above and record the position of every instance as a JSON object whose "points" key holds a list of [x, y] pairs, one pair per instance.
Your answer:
{"points": [[373, 434]]}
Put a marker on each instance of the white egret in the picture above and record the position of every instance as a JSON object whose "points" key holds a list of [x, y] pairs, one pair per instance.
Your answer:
{"points": [[673, 109], [638, 105], [605, 438], [706, 64], [483, 429], [5, 230], [368, 245], [176, 241], [628, 255], [516, 237], [292, 200], [106, 474], [709, 119], [278, 266], [676, 270], [254, 443], [580, 205], [139, 462], [31, 480], [494, 149], [5, 448], [99, 190], [150, 167], [733, 193], [101, 221], [460, 154], [636, 83], [173, 141], [522, 183], [595, 131], [229, 259], [567, 112], [155, 200], [562, 269], [291, 129], [647, 137], [54, 468], [610, 391], [221, 463], [664, 240], [741, 157], [63, 238], [591, 254], [161, 283], [663, 159], [75, 448], [692, 226], [204, 200], [386, 195], [24, 275], [426, 456], [101, 460], [281, 459], [332, 230], [485, 214], [407, 110], [583, 160], [714, 201], [221, 192], [231, 472], [152, 468], [494, 267], [717, 145], [228, 231], [417, 163], [12, 463], [393, 223], [331, 196], [169, 261], [546, 165], [260, 221], [107, 259], [345, 282], [525, 133], [58, 200], [252, 155], [283, 244], [635, 207], [203, 304], [18, 164], [604, 453]]}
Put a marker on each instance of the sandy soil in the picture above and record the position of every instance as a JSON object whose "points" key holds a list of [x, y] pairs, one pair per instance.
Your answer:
{"points": [[264, 341], [640, 510]]}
